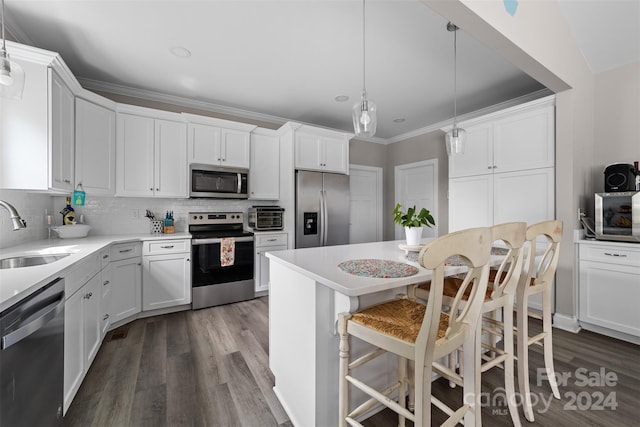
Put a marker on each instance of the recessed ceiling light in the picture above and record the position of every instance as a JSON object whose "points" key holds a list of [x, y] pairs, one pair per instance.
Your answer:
{"points": [[180, 52], [341, 98], [400, 120]]}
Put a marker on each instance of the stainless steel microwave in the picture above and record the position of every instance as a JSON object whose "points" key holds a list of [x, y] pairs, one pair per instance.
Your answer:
{"points": [[216, 182], [617, 216]]}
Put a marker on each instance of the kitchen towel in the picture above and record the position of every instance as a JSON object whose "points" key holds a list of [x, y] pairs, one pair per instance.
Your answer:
{"points": [[227, 251]]}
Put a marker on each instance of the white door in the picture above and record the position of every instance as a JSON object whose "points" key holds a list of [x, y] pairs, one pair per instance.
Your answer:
{"points": [[417, 184], [365, 218]]}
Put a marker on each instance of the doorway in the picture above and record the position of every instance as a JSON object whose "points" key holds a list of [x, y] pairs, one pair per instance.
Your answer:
{"points": [[365, 218], [417, 184]]}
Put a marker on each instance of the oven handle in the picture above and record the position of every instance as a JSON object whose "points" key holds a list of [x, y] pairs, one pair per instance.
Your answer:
{"points": [[197, 242]]}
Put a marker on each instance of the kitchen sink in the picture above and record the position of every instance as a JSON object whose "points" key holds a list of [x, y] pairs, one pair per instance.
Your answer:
{"points": [[30, 260]]}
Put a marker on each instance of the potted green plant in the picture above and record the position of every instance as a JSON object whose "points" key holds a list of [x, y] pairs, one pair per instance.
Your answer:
{"points": [[413, 222]]}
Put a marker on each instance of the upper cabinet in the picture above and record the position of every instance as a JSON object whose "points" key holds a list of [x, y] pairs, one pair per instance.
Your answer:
{"points": [[151, 153], [37, 131], [218, 142], [321, 150], [264, 174], [62, 113], [515, 139], [96, 146]]}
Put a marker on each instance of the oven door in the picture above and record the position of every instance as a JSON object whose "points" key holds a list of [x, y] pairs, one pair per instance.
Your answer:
{"points": [[207, 268]]}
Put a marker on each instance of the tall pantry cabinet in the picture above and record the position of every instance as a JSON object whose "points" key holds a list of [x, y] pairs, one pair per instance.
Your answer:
{"points": [[507, 171]]}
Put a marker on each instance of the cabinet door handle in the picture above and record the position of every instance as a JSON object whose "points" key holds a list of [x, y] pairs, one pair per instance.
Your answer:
{"points": [[105, 256], [615, 255], [139, 263], [489, 167], [88, 295], [106, 282], [157, 189], [167, 247], [106, 316], [188, 259], [125, 251], [495, 167], [151, 189], [67, 181]]}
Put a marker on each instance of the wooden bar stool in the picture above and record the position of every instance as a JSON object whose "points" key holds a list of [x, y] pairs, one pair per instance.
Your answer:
{"points": [[421, 334], [499, 297], [538, 279]]}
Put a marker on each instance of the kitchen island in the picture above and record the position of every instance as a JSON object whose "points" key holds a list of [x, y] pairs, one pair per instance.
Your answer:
{"points": [[307, 291]]}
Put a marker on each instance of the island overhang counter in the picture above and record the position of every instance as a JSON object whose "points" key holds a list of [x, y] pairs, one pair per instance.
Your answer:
{"points": [[307, 291]]}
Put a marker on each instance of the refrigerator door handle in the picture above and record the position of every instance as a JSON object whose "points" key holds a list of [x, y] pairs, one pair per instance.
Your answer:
{"points": [[321, 219], [325, 216]]}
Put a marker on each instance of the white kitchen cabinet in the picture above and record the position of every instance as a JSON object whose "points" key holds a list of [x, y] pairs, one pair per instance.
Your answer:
{"points": [[82, 327], [62, 112], [518, 138], [95, 158], [506, 173], [264, 174], [126, 281], [151, 155], [166, 279], [37, 132], [609, 289], [485, 200], [266, 242], [218, 142], [321, 150]]}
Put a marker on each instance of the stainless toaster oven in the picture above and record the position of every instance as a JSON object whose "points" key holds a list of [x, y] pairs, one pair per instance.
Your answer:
{"points": [[266, 218]]}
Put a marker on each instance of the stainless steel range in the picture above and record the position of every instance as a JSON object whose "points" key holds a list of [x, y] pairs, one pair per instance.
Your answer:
{"points": [[214, 281]]}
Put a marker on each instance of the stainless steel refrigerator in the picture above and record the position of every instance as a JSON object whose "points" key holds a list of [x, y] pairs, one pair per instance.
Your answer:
{"points": [[322, 209]]}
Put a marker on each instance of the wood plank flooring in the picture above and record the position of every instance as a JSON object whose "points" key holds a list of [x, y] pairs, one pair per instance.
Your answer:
{"points": [[210, 368]]}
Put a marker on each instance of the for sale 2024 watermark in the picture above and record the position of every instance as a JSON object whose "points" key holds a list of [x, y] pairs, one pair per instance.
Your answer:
{"points": [[597, 392]]}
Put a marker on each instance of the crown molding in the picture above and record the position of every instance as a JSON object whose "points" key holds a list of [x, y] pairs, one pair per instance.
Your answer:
{"points": [[178, 100], [446, 124]]}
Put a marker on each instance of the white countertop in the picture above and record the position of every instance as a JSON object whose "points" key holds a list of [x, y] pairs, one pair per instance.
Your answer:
{"points": [[321, 264], [18, 283]]}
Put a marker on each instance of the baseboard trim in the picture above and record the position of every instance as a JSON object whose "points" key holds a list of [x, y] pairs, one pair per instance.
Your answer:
{"points": [[566, 323]]}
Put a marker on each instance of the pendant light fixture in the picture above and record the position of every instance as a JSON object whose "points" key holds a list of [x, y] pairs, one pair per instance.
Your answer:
{"points": [[365, 117], [11, 73], [456, 137]]}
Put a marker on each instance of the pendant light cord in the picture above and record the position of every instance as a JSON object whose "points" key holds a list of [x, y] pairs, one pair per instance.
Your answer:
{"points": [[455, 77], [364, 51], [4, 47]]}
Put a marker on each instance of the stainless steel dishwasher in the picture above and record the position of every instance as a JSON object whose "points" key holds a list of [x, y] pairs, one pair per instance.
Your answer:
{"points": [[32, 359]]}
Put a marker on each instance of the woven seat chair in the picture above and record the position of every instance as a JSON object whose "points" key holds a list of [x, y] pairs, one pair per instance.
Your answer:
{"points": [[498, 304], [537, 279], [421, 334]]}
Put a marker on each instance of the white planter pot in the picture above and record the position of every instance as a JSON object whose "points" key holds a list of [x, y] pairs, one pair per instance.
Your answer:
{"points": [[414, 235]]}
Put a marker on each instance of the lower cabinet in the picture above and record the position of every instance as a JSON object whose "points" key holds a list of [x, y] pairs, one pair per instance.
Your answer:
{"points": [[166, 278], [82, 332], [266, 243], [126, 281], [609, 289]]}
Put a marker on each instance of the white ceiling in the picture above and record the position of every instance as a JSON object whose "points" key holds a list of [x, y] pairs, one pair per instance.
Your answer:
{"points": [[288, 60]]}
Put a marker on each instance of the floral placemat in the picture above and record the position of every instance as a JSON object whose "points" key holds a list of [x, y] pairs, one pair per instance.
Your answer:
{"points": [[379, 268]]}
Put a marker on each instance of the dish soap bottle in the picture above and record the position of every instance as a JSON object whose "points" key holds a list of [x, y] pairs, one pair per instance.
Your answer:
{"points": [[68, 213]]}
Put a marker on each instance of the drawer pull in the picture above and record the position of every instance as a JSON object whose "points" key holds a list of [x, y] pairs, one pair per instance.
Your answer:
{"points": [[105, 256], [616, 255], [88, 295], [125, 251], [272, 240], [106, 282], [167, 247]]}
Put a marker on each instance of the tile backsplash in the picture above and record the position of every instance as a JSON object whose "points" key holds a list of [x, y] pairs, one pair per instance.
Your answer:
{"points": [[33, 208], [105, 215], [126, 215]]}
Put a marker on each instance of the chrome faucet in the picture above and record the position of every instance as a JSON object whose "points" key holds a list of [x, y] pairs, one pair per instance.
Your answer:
{"points": [[18, 222]]}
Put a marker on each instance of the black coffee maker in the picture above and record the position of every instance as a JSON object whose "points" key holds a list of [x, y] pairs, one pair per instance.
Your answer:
{"points": [[620, 177]]}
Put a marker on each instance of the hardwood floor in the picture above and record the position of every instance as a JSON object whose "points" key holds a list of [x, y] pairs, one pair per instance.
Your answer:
{"points": [[210, 368]]}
